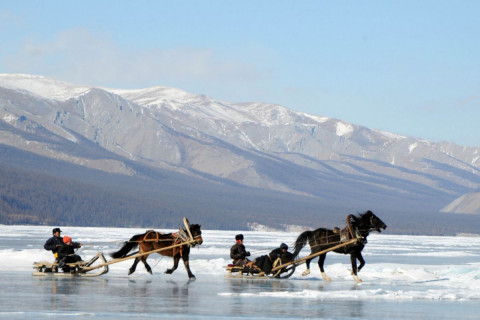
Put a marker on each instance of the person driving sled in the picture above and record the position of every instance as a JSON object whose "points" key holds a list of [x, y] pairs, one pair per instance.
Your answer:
{"points": [[265, 263], [54, 242], [238, 252], [66, 253]]}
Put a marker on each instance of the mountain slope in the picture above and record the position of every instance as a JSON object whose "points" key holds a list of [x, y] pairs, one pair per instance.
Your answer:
{"points": [[468, 203], [246, 146]]}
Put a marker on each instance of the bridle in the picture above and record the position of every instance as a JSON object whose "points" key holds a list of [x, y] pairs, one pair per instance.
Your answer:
{"points": [[197, 240]]}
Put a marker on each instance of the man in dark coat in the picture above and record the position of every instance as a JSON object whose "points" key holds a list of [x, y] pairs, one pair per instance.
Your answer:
{"points": [[281, 252], [265, 263], [238, 252], [66, 252], [54, 242]]}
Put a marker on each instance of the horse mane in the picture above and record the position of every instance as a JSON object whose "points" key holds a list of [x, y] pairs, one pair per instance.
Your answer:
{"points": [[366, 213], [362, 222], [361, 216], [321, 229]]}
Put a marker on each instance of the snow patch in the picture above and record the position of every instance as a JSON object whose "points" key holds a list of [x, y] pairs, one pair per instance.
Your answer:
{"points": [[343, 129], [42, 86], [412, 147], [318, 119], [10, 118], [389, 135]]}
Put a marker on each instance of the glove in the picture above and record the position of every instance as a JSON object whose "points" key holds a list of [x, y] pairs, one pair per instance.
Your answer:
{"points": [[247, 254]]}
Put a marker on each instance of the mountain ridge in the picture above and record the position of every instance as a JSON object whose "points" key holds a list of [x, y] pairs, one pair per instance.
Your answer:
{"points": [[254, 145]]}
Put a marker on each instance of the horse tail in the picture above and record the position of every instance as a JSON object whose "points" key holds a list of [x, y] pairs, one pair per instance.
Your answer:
{"points": [[127, 247], [301, 242]]}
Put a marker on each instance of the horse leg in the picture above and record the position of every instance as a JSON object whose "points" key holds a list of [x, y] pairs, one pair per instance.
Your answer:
{"points": [[307, 272], [362, 261], [176, 259], [321, 261], [147, 266], [353, 259], [187, 267], [134, 266]]}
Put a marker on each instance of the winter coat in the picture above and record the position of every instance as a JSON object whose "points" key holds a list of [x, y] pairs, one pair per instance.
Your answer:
{"points": [[265, 263], [237, 251], [53, 244], [67, 250], [278, 253]]}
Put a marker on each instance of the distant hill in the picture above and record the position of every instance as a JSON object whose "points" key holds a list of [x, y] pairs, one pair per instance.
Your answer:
{"points": [[99, 156], [467, 203]]}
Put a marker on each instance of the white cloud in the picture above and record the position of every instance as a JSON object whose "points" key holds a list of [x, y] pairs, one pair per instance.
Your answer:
{"points": [[83, 57]]}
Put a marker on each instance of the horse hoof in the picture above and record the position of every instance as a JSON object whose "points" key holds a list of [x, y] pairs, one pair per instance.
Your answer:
{"points": [[325, 277], [150, 271], [168, 271], [192, 278], [306, 273], [130, 272]]}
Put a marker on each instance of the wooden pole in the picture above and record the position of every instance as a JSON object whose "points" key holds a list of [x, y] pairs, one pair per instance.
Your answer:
{"points": [[135, 256], [187, 226], [299, 261]]}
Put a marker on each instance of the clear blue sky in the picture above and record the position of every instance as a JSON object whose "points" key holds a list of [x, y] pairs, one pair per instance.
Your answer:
{"points": [[408, 67]]}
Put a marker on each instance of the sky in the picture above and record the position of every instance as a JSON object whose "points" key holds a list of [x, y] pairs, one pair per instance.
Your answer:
{"points": [[407, 67]]}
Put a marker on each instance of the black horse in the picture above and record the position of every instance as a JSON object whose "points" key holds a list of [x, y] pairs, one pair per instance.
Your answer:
{"points": [[320, 239], [152, 240]]}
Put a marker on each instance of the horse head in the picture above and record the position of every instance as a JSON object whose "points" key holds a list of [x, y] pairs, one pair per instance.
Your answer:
{"points": [[375, 222], [196, 234]]}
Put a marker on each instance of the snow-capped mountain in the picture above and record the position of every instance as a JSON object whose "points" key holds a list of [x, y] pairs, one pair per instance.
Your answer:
{"points": [[254, 145]]}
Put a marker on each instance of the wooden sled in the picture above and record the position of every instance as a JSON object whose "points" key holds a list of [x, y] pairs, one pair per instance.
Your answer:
{"points": [[280, 270], [80, 268], [256, 273]]}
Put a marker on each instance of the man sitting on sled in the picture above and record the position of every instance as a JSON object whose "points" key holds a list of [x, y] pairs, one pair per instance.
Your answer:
{"points": [[238, 253], [265, 263]]}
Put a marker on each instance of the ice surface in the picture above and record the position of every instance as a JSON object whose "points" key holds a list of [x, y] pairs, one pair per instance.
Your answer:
{"points": [[408, 273]]}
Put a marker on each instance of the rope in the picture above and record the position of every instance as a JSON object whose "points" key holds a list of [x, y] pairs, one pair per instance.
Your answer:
{"points": [[158, 261]]}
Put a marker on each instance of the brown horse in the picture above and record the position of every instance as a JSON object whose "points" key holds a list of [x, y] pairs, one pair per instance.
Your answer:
{"points": [[152, 240]]}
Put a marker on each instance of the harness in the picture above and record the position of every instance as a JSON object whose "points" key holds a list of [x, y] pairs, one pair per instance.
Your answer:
{"points": [[180, 236], [348, 233], [177, 237], [151, 240]]}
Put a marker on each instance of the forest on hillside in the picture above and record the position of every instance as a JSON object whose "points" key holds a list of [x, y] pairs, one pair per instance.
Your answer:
{"points": [[33, 198], [29, 198]]}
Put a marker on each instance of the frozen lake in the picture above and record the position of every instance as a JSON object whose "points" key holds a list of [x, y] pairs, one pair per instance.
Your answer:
{"points": [[405, 277]]}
